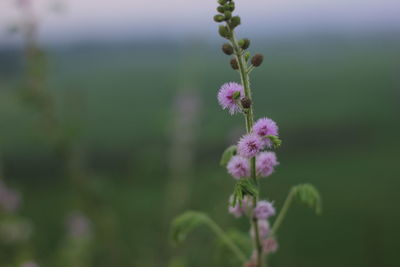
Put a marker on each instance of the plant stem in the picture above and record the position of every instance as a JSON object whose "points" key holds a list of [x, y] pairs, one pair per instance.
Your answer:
{"points": [[282, 213], [221, 234], [244, 76]]}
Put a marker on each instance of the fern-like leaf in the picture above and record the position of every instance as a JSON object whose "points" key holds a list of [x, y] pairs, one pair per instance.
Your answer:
{"points": [[243, 187], [182, 225], [309, 196]]}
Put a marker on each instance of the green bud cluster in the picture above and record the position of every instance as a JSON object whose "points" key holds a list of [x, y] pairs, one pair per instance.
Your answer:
{"points": [[225, 15], [224, 31], [225, 9]]}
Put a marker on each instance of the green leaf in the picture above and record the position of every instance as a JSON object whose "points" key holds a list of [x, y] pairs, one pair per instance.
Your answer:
{"points": [[227, 155], [182, 225], [243, 187], [309, 196], [190, 220], [275, 140]]}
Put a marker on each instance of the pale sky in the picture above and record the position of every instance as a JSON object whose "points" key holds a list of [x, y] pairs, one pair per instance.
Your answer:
{"points": [[88, 19]]}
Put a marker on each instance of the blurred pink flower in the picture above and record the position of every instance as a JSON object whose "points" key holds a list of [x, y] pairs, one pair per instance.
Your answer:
{"points": [[78, 224], [9, 199], [239, 210], [270, 245], [265, 163], [263, 229], [264, 210]]}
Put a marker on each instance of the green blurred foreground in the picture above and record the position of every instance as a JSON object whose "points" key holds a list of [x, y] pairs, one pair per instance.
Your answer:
{"points": [[148, 156]]}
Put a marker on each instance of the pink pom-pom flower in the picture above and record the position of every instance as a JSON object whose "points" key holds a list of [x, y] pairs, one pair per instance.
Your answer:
{"points": [[226, 97], [270, 245], [265, 163], [250, 145], [264, 210], [240, 209], [264, 127], [238, 167], [263, 229]]}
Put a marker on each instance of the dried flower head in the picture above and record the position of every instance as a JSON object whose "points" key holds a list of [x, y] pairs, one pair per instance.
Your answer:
{"points": [[234, 64], [257, 60], [246, 102], [227, 49]]}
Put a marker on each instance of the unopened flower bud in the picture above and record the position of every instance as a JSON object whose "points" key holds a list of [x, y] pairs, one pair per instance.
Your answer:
{"points": [[231, 6], [257, 60], [247, 56], [227, 7], [235, 21], [228, 15], [246, 102], [227, 49], [219, 18], [224, 31], [222, 2], [234, 64], [221, 9], [244, 43]]}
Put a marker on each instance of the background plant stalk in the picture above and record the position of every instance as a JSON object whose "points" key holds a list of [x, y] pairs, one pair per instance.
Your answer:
{"points": [[244, 76]]}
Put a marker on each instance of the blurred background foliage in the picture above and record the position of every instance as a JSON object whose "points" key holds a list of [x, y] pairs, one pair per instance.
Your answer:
{"points": [[139, 135]]}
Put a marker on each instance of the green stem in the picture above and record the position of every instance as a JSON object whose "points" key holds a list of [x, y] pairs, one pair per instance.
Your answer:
{"points": [[222, 235], [244, 76], [282, 213]]}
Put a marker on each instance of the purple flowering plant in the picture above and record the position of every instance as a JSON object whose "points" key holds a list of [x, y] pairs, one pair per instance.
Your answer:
{"points": [[249, 160]]}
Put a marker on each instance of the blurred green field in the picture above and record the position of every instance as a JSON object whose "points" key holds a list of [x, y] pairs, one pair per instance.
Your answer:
{"points": [[336, 100]]}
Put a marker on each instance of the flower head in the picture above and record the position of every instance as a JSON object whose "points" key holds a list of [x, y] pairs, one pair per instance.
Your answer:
{"points": [[250, 145], [9, 199], [264, 127], [270, 245], [226, 96], [265, 163], [238, 167], [263, 229], [78, 224], [264, 210], [240, 209]]}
